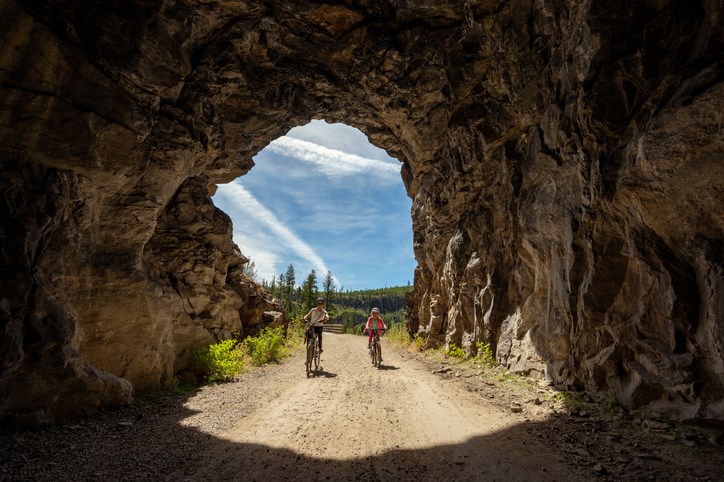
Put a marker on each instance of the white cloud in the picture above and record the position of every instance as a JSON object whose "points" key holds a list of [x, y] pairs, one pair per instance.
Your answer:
{"points": [[333, 162], [259, 249], [339, 136]]}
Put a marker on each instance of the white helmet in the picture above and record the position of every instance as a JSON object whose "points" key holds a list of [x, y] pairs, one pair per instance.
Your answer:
{"points": [[375, 310]]}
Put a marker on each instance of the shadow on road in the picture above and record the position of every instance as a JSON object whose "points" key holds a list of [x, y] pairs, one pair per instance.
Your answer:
{"points": [[323, 373], [388, 367], [162, 447]]}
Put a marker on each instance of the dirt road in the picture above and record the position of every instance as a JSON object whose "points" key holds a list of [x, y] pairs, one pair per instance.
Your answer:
{"points": [[356, 422]]}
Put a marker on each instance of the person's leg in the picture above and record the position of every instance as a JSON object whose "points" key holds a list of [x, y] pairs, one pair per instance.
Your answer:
{"points": [[320, 330], [369, 339]]}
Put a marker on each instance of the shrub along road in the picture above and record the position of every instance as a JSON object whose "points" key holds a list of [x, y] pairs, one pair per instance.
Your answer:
{"points": [[411, 420]]}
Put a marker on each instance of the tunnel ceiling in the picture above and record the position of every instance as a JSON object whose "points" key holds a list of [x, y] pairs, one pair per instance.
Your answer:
{"points": [[564, 160]]}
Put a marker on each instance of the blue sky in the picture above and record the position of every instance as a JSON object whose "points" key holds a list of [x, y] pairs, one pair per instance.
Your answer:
{"points": [[322, 197]]}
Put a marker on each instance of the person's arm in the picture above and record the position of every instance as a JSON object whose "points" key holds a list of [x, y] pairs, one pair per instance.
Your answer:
{"points": [[326, 315]]}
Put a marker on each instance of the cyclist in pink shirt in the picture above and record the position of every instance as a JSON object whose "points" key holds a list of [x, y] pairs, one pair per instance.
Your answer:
{"points": [[374, 322]]}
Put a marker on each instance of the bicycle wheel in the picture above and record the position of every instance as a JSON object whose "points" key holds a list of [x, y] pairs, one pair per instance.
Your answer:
{"points": [[317, 356], [310, 355], [373, 354], [378, 355]]}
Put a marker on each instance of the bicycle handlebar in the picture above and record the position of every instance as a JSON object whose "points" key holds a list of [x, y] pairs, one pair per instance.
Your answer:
{"points": [[315, 324]]}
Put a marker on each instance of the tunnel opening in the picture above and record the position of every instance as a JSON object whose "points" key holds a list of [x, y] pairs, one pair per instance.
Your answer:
{"points": [[330, 201], [324, 207]]}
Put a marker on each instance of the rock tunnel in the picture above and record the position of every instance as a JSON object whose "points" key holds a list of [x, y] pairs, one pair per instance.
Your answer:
{"points": [[564, 159]]}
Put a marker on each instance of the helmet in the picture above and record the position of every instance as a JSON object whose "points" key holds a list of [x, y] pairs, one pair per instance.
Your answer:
{"points": [[375, 310], [320, 300]]}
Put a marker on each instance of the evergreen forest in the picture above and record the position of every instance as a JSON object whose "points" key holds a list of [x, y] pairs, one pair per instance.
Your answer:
{"points": [[351, 308]]}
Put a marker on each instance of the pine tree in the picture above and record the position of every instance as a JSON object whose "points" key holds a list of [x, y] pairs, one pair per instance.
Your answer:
{"points": [[250, 270], [309, 291], [273, 286], [329, 288], [289, 281], [280, 288], [298, 296]]}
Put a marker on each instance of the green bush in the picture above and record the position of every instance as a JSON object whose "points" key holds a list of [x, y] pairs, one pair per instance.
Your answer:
{"points": [[419, 341], [218, 362], [485, 354], [455, 351], [268, 347]]}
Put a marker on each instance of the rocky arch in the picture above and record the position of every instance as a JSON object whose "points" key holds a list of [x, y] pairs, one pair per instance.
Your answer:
{"points": [[564, 162]]}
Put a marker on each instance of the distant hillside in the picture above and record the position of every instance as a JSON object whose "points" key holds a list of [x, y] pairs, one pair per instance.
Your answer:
{"points": [[386, 299]]}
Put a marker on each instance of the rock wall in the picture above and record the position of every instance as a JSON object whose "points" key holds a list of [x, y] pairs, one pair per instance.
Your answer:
{"points": [[115, 261], [564, 161], [581, 247]]}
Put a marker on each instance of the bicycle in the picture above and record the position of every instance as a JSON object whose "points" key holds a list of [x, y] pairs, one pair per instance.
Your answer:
{"points": [[313, 352], [376, 350]]}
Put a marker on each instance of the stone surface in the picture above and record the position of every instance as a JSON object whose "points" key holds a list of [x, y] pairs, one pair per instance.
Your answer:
{"points": [[564, 160]]}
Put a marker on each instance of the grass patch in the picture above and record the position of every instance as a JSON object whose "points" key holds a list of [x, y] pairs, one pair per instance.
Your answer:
{"points": [[506, 376], [565, 397], [609, 406], [175, 387], [397, 335], [485, 354], [454, 351]]}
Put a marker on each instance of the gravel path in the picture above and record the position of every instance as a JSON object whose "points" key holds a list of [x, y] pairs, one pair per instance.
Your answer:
{"points": [[414, 419]]}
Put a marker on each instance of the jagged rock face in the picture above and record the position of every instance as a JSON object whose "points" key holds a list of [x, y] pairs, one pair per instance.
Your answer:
{"points": [[564, 161]]}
